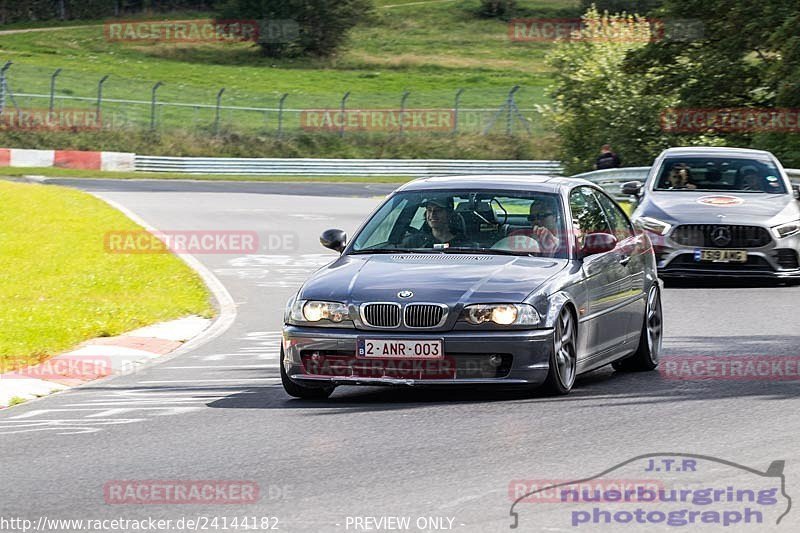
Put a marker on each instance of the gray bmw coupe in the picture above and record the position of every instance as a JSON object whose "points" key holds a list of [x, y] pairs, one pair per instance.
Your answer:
{"points": [[516, 281], [720, 212]]}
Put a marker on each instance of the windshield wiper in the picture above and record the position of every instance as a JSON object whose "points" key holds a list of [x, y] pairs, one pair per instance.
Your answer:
{"points": [[393, 251], [485, 251]]}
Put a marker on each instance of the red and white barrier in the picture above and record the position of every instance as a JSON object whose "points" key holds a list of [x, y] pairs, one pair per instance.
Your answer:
{"points": [[18, 157]]}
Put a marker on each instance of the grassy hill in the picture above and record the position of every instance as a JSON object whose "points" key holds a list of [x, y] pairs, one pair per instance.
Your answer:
{"points": [[429, 48]]}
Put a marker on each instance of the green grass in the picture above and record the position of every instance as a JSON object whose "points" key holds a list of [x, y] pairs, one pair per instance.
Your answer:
{"points": [[431, 50], [59, 287], [96, 174]]}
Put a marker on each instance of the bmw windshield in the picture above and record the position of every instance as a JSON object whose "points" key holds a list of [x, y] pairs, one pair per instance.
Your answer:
{"points": [[720, 174], [500, 222]]}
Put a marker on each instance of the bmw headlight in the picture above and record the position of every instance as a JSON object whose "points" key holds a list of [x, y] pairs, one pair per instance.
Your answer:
{"points": [[316, 311], [654, 225], [502, 314], [787, 230]]}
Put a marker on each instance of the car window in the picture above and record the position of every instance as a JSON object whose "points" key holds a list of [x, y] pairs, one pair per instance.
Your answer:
{"points": [[737, 174], [587, 215], [383, 230], [486, 221], [616, 218]]}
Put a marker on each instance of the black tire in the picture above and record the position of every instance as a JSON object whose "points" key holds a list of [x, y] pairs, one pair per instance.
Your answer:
{"points": [[563, 362], [300, 391], [648, 351]]}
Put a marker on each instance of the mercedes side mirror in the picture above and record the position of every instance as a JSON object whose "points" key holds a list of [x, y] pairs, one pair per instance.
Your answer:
{"points": [[335, 239], [796, 189], [598, 243], [632, 188]]}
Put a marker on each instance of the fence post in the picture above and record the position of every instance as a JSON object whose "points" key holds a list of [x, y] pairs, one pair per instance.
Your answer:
{"points": [[280, 114], [153, 106], [53, 89], [3, 86], [403, 109], [511, 105], [216, 117], [344, 102], [455, 111], [100, 99]]}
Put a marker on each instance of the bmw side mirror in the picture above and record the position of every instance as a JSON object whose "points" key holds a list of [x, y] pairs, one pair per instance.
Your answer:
{"points": [[598, 243], [335, 239], [632, 188], [796, 189]]}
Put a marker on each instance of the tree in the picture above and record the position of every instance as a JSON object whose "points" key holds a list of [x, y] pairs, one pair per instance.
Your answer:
{"points": [[300, 27], [596, 102], [748, 55]]}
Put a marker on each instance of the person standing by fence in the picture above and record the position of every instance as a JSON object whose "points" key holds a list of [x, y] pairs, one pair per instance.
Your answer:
{"points": [[607, 159]]}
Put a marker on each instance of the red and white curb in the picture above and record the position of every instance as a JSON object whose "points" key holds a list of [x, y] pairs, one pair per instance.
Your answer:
{"points": [[74, 159], [99, 358]]}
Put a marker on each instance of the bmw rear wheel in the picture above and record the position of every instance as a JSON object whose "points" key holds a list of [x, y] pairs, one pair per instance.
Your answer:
{"points": [[648, 352]]}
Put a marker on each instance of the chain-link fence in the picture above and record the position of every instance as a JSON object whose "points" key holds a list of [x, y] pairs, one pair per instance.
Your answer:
{"points": [[34, 97]]}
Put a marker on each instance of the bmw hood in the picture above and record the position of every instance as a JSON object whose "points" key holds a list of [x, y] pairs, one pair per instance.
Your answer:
{"points": [[441, 278], [685, 207]]}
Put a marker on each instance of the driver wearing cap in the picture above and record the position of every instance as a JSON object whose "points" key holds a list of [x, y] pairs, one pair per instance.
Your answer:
{"points": [[439, 228]]}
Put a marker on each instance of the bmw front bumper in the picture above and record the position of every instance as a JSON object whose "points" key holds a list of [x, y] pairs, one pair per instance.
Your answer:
{"points": [[328, 356]]}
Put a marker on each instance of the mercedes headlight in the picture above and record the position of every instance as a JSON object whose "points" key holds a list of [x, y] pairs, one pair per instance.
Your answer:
{"points": [[787, 230], [654, 225], [316, 311], [502, 314]]}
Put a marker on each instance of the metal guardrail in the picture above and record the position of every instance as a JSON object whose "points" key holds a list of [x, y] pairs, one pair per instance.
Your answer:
{"points": [[612, 179], [609, 179], [343, 167]]}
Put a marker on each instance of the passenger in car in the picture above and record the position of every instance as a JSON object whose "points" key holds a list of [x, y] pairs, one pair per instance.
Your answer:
{"points": [[544, 225], [749, 179], [542, 238]]}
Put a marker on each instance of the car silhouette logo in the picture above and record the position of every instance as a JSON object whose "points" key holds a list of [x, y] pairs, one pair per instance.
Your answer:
{"points": [[405, 294], [721, 236], [720, 200]]}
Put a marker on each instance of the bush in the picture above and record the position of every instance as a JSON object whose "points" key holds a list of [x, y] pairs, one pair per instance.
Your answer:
{"points": [[643, 7], [304, 27], [230, 144]]}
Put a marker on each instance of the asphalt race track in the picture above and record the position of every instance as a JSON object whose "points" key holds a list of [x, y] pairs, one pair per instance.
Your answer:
{"points": [[219, 412]]}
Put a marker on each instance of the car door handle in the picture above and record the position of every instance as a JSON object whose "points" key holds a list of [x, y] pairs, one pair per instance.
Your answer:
{"points": [[624, 260]]}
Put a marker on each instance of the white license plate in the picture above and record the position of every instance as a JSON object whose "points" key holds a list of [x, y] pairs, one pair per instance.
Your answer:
{"points": [[721, 256], [400, 349]]}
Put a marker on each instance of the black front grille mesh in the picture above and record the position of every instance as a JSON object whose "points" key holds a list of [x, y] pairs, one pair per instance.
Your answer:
{"points": [[703, 235], [382, 315], [423, 315], [787, 258]]}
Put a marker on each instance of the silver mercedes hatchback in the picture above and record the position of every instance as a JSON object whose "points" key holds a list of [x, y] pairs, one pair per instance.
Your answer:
{"points": [[720, 212]]}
